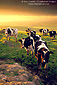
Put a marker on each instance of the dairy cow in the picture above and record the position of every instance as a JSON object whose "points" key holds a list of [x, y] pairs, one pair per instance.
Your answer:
{"points": [[44, 31], [42, 53], [11, 32], [27, 43], [34, 37], [52, 33]]}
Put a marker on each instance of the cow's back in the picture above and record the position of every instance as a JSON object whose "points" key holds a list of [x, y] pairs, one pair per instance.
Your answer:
{"points": [[14, 31]]}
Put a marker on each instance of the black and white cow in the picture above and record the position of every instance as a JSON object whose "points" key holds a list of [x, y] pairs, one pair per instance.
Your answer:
{"points": [[44, 31], [27, 43], [42, 53], [52, 33], [30, 32], [11, 32], [34, 37]]}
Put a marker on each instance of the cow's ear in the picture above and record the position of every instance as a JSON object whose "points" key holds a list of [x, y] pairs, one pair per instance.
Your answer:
{"points": [[50, 52], [20, 40], [26, 30], [39, 35], [28, 33]]}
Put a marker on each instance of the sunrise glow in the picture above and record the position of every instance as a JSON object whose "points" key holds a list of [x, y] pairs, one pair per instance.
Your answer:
{"points": [[9, 18]]}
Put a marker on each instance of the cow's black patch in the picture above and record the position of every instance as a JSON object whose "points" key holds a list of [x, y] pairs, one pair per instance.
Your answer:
{"points": [[52, 33], [13, 30], [33, 33], [28, 42], [36, 38], [40, 30], [20, 40], [9, 31]]}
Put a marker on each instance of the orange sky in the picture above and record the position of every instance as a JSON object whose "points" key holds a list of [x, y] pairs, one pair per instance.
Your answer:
{"points": [[14, 12], [24, 20], [8, 18]]}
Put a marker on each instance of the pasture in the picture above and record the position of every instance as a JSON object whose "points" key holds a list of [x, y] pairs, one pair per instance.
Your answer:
{"points": [[12, 50]]}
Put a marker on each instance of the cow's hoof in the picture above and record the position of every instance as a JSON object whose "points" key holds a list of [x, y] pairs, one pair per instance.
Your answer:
{"points": [[5, 41]]}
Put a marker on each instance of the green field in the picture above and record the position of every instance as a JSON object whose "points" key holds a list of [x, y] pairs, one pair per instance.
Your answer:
{"points": [[23, 28], [12, 50]]}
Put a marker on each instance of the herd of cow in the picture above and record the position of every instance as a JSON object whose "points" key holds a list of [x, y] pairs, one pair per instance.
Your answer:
{"points": [[34, 43]]}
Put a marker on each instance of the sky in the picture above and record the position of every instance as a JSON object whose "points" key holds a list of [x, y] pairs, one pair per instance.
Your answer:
{"points": [[27, 12]]}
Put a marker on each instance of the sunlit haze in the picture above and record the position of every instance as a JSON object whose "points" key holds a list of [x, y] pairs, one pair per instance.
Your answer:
{"points": [[14, 12], [24, 19]]}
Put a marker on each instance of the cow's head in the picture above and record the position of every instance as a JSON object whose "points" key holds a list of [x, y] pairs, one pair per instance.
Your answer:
{"points": [[33, 33], [28, 30], [22, 42], [37, 38]]}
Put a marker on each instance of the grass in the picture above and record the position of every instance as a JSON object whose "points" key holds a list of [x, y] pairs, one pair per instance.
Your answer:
{"points": [[13, 50], [16, 74], [30, 79]]}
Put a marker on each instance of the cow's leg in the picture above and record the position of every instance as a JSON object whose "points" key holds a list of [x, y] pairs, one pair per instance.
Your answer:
{"points": [[43, 34], [32, 50], [6, 36], [9, 38], [54, 36], [42, 58], [38, 56], [16, 38], [46, 65], [27, 52], [21, 45], [51, 38], [39, 61]]}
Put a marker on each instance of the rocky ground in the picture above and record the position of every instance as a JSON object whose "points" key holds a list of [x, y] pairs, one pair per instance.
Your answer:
{"points": [[14, 74]]}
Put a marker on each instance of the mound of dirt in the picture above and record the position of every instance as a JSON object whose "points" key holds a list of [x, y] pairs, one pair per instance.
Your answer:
{"points": [[14, 74]]}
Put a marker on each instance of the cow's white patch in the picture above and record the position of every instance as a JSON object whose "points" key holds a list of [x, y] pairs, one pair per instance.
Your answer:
{"points": [[29, 34], [31, 37], [43, 60], [45, 52], [42, 46], [23, 42], [33, 41], [45, 30], [52, 32], [37, 35]]}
